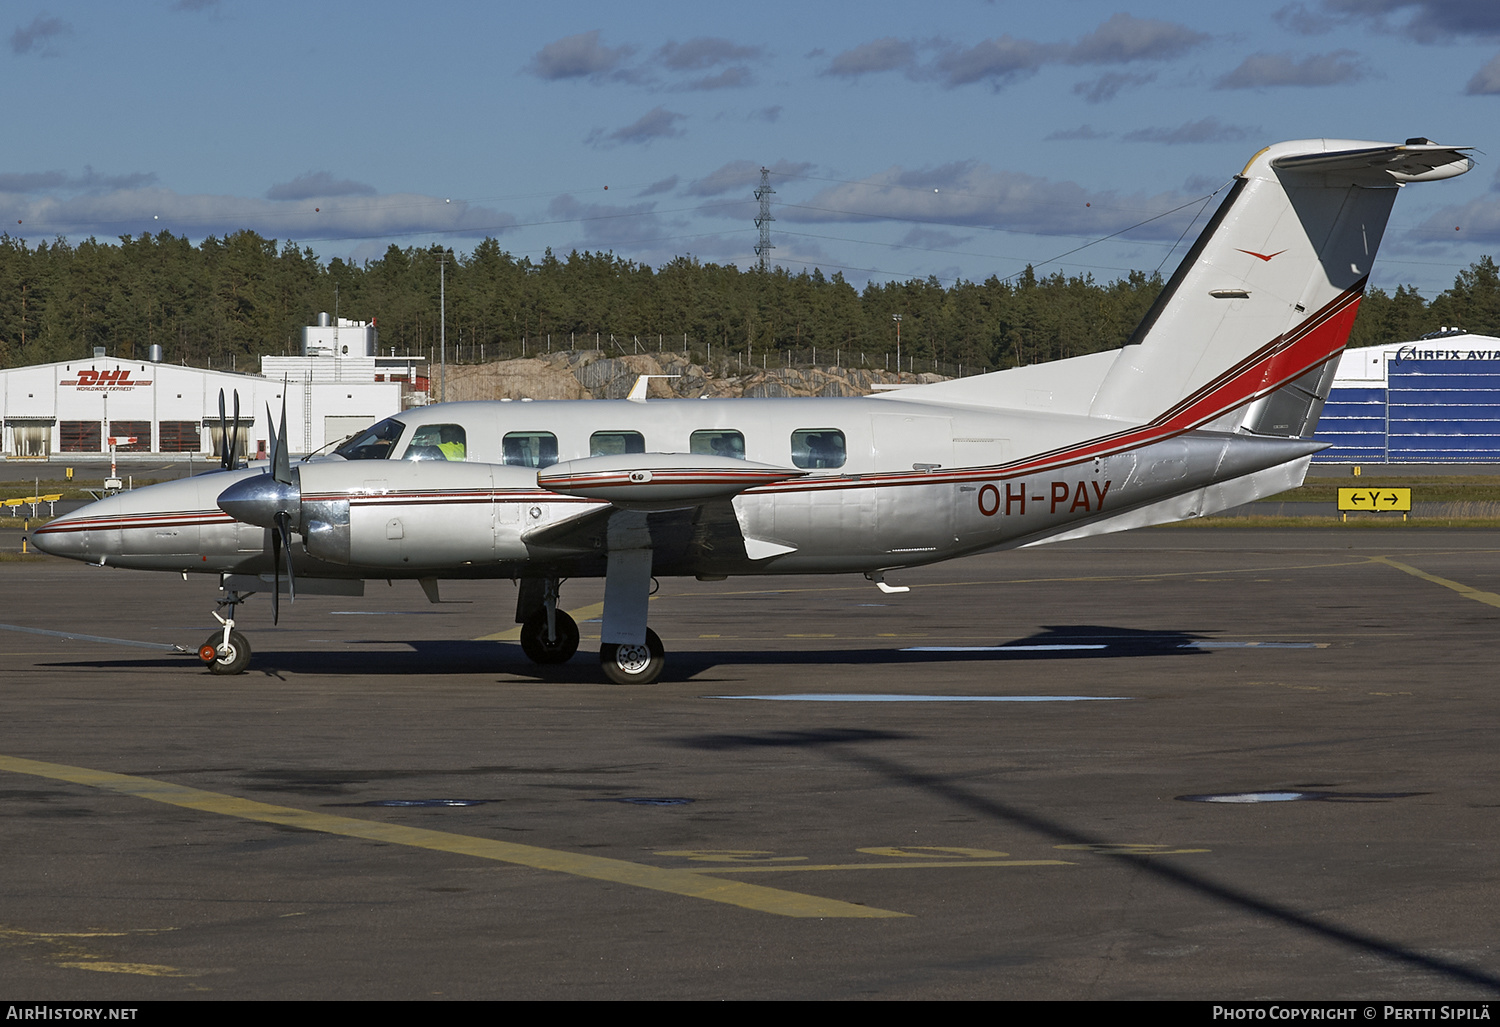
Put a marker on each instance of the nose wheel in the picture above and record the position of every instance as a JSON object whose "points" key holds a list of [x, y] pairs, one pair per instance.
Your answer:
{"points": [[225, 655], [226, 651]]}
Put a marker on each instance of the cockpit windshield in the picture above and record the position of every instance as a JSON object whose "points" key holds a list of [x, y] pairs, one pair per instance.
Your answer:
{"points": [[373, 443]]}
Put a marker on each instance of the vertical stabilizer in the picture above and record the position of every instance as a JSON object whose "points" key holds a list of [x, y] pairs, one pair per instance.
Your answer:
{"points": [[1244, 335]]}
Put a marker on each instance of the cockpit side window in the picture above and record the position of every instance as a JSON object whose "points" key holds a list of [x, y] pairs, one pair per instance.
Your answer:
{"points": [[818, 448], [529, 449], [718, 442], [615, 443], [373, 443], [437, 442]]}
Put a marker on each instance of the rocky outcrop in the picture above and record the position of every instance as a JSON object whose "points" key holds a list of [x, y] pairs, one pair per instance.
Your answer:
{"points": [[589, 374]]}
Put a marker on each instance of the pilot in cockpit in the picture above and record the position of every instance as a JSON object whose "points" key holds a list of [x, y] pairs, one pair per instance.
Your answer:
{"points": [[437, 442]]}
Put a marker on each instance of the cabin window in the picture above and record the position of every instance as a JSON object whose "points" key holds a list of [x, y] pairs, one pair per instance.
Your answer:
{"points": [[818, 448], [373, 443], [616, 443], [718, 442], [529, 449], [437, 442]]}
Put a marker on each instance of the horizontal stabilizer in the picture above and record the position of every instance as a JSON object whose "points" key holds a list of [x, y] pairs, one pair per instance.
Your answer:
{"points": [[1414, 162]]}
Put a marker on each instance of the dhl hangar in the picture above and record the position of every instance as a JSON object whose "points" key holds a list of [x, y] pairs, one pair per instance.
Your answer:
{"points": [[338, 385]]}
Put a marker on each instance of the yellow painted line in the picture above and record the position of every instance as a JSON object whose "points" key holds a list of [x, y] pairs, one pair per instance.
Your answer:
{"points": [[599, 868], [70, 956], [924, 865], [143, 969], [514, 634], [1467, 591]]}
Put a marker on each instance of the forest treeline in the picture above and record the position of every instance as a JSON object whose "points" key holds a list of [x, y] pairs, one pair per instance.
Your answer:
{"points": [[231, 300]]}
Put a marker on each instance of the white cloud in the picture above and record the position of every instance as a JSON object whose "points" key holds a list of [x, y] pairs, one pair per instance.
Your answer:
{"points": [[741, 176], [886, 54], [131, 211], [705, 52], [1205, 130], [972, 194], [318, 184], [1284, 69], [40, 37], [657, 123], [579, 56], [1486, 81]]}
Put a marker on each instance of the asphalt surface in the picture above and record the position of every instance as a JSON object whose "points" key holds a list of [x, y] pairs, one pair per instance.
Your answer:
{"points": [[168, 833]]}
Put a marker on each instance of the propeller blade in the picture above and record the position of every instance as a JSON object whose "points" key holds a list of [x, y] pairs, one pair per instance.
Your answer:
{"points": [[223, 435], [235, 438], [275, 442], [284, 541], [276, 571], [281, 459], [284, 526]]}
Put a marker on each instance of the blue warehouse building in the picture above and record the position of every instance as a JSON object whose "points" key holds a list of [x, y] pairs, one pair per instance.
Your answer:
{"points": [[1433, 401]]}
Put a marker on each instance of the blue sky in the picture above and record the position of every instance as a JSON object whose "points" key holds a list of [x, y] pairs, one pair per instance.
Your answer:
{"points": [[955, 139]]}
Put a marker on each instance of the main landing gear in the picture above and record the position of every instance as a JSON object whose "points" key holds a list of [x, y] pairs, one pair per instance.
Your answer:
{"points": [[227, 651], [629, 664], [630, 653], [548, 635]]}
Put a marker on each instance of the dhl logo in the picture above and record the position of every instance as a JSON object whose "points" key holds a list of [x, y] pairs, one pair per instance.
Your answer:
{"points": [[99, 380]]}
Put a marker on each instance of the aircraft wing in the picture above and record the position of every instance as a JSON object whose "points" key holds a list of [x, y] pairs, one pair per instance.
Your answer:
{"points": [[677, 505]]}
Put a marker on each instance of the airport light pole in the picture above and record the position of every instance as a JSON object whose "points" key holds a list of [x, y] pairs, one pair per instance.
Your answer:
{"points": [[897, 318], [443, 327]]}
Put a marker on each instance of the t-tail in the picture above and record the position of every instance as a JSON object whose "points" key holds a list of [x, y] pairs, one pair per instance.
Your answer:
{"points": [[1245, 336]]}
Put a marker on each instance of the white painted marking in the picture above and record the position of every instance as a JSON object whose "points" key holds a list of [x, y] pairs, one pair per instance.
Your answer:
{"points": [[384, 613], [1256, 645], [1257, 797], [1063, 647], [996, 648], [877, 697]]}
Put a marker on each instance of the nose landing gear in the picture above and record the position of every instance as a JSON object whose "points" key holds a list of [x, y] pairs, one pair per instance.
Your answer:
{"points": [[226, 651]]}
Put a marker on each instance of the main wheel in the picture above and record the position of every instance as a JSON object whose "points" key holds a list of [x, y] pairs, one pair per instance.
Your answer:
{"points": [[534, 642], [225, 660], [633, 664]]}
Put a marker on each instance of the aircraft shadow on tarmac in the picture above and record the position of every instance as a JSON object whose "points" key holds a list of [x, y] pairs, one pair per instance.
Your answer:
{"points": [[450, 656], [861, 748]]}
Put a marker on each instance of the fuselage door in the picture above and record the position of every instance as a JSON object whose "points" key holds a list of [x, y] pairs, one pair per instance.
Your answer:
{"points": [[913, 518]]}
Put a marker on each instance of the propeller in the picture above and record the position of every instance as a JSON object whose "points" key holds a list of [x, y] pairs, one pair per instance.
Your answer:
{"points": [[231, 431], [281, 534], [272, 500]]}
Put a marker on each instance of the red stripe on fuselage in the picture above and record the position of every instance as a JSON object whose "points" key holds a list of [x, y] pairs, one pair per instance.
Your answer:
{"points": [[163, 520]]}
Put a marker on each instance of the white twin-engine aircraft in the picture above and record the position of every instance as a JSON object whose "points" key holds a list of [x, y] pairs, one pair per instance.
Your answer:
{"points": [[1211, 403]]}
